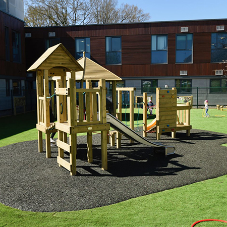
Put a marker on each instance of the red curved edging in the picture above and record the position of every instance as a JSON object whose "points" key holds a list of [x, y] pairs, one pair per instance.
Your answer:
{"points": [[207, 220]]}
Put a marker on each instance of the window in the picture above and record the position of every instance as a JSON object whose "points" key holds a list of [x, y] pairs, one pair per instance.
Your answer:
{"points": [[113, 50], [184, 85], [16, 88], [7, 50], [7, 87], [16, 43], [159, 46], [218, 47], [218, 85], [82, 45], [52, 42], [149, 86], [184, 48]]}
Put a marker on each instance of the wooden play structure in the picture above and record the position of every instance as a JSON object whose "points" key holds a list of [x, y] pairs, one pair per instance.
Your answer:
{"points": [[170, 115], [83, 115], [116, 134], [221, 107]]}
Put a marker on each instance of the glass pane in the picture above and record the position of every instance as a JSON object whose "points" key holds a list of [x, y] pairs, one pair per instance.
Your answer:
{"points": [[116, 44], [224, 85], [54, 42], [183, 86], [215, 85], [177, 83], [181, 42], [108, 44], [162, 43], [213, 41], [7, 47], [218, 55], [218, 47], [189, 41], [153, 42], [87, 45], [184, 56], [113, 58], [80, 45], [158, 57], [146, 86], [79, 55], [16, 46]]}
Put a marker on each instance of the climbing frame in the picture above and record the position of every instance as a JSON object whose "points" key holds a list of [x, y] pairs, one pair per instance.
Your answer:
{"points": [[171, 117]]}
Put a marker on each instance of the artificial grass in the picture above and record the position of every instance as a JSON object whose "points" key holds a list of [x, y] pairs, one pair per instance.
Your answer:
{"points": [[177, 207]]}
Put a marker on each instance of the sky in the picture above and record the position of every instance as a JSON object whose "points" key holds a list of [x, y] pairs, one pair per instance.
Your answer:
{"points": [[174, 10]]}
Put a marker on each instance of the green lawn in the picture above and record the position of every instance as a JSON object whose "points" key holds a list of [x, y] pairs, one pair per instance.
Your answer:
{"points": [[177, 207]]}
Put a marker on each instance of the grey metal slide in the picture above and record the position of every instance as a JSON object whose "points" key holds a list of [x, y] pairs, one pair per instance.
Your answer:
{"points": [[128, 132]]}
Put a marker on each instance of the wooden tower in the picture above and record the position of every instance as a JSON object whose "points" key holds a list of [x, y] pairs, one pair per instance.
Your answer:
{"points": [[58, 64]]}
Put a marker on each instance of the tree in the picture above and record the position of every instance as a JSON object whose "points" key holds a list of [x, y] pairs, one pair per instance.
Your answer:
{"points": [[80, 12]]}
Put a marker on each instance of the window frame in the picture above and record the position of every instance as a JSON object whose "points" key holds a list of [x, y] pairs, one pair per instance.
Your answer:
{"points": [[7, 87], [153, 88], [182, 89], [186, 49], [120, 51], [218, 49], [47, 42], [220, 89], [7, 44], [87, 54], [18, 48], [157, 50], [14, 88]]}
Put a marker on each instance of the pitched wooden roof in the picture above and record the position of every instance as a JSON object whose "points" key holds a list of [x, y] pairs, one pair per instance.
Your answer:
{"points": [[94, 71], [56, 56]]}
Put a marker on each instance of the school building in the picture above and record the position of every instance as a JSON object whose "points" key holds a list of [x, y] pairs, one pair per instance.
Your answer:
{"points": [[190, 55]]}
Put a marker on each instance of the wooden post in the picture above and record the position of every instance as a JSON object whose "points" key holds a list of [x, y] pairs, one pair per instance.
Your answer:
{"points": [[145, 114], [119, 116], [158, 133], [73, 151], [188, 118], [48, 150], [46, 102], [40, 141], [52, 99], [47, 112], [89, 147], [114, 97], [132, 103], [103, 120], [89, 101], [39, 89]]}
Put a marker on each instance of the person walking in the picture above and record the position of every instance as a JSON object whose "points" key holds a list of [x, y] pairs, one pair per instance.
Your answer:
{"points": [[206, 108]]}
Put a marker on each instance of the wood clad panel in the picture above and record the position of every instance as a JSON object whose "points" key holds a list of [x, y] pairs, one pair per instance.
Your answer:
{"points": [[135, 46], [136, 49], [9, 68], [201, 47], [98, 50], [171, 48]]}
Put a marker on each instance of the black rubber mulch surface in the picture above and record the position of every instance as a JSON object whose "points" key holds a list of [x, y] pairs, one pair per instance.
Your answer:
{"points": [[29, 181]]}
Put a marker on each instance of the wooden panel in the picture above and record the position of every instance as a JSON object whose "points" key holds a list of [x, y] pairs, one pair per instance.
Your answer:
{"points": [[201, 47], [10, 68], [98, 50], [63, 163], [63, 146], [136, 49]]}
